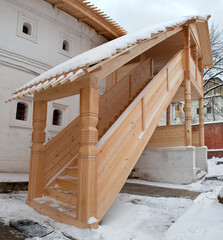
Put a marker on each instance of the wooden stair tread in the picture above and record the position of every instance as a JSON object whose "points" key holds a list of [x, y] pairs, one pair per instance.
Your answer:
{"points": [[58, 211], [57, 206], [67, 178], [61, 194], [67, 182]]}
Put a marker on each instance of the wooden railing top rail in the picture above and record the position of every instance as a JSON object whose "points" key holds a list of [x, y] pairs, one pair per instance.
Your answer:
{"points": [[137, 99]]}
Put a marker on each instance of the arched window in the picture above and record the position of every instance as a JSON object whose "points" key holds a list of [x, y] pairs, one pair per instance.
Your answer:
{"points": [[21, 111], [27, 28], [57, 117], [65, 46]]}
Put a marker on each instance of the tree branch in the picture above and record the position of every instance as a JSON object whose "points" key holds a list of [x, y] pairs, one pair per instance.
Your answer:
{"points": [[210, 89]]}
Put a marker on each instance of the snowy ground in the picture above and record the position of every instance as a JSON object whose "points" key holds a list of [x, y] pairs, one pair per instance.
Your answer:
{"points": [[133, 217]]}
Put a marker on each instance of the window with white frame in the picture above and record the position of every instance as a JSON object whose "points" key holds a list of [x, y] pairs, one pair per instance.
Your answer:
{"points": [[27, 27], [21, 113], [56, 116], [65, 45]]}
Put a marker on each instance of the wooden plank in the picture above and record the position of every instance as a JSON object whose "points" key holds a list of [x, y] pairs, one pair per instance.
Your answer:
{"points": [[171, 136]]}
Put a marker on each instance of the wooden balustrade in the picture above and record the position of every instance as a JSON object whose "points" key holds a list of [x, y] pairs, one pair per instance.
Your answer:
{"points": [[119, 96], [122, 145], [61, 149]]}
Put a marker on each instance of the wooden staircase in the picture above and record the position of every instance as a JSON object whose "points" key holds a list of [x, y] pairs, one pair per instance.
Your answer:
{"points": [[128, 115]]}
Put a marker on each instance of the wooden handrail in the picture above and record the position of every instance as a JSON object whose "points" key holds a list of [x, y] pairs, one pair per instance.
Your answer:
{"points": [[120, 148]]}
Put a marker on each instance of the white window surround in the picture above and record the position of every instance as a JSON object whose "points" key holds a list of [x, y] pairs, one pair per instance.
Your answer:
{"points": [[51, 107], [23, 19], [13, 122], [63, 37]]}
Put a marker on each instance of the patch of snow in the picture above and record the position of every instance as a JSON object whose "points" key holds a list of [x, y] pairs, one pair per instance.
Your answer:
{"points": [[213, 168], [203, 220], [92, 220]]}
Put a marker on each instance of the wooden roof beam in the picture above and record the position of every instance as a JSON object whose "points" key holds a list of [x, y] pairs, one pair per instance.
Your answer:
{"points": [[88, 13], [103, 32], [59, 4], [83, 19], [66, 90]]}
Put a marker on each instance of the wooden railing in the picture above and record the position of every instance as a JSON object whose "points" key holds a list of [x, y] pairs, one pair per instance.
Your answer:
{"points": [[117, 98], [195, 74], [61, 149], [122, 145]]}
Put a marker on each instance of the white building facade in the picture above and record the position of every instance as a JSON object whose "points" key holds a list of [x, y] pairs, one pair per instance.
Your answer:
{"points": [[34, 38]]}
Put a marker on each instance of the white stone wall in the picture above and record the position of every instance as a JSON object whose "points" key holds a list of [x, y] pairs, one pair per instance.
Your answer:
{"points": [[177, 165], [22, 58]]}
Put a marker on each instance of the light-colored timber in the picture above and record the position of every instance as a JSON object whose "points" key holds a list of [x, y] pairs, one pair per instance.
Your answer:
{"points": [[172, 136], [83, 168]]}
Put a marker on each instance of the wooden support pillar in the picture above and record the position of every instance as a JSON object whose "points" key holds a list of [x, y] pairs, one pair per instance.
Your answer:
{"points": [[168, 116], [87, 160], [37, 162], [187, 88], [201, 122]]}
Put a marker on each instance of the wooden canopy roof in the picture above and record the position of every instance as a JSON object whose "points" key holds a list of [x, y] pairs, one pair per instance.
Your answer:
{"points": [[86, 12], [104, 59]]}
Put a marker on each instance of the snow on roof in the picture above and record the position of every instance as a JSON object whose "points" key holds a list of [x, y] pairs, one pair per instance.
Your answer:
{"points": [[75, 67]]}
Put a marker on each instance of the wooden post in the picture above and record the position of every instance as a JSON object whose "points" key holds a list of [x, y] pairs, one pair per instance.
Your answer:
{"points": [[187, 88], [201, 122], [168, 116], [87, 161], [37, 161], [194, 51], [151, 67]]}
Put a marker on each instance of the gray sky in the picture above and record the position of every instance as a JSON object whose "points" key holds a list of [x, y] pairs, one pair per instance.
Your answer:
{"points": [[136, 14]]}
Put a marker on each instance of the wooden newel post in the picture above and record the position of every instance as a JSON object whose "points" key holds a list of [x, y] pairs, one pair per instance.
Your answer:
{"points": [[87, 160], [37, 161], [187, 88]]}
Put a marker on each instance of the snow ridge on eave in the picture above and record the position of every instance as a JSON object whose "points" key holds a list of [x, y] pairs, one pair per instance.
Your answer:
{"points": [[106, 50]]}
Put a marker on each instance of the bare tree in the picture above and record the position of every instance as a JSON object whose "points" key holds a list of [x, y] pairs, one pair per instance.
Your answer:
{"points": [[216, 36]]}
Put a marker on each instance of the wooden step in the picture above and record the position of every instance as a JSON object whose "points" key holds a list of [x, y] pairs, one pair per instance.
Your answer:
{"points": [[74, 163], [58, 211], [67, 182], [62, 195], [72, 171]]}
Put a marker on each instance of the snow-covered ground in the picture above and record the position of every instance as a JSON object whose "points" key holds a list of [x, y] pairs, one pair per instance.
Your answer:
{"points": [[133, 217]]}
